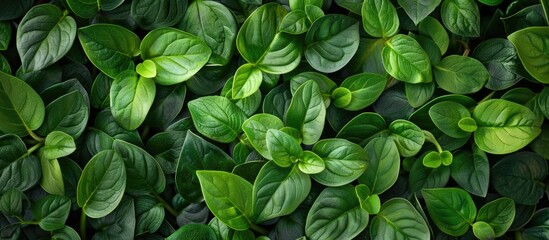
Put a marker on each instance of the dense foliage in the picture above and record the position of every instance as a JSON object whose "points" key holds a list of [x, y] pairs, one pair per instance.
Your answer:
{"points": [[249, 119]]}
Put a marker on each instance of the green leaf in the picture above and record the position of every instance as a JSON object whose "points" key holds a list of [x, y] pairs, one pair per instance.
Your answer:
{"points": [[452, 209], [418, 10], [144, 175], [278, 191], [101, 88], [361, 128], [432, 28], [11, 202], [405, 60], [131, 98], [422, 177], [345, 161], [198, 154], [472, 171], [483, 231], [529, 170], [149, 214], [151, 14], [325, 84], [52, 212], [264, 20], [217, 118], [408, 137], [101, 186], [250, 104], [52, 176], [193, 231], [353, 6], [331, 42], [446, 116], [384, 165], [44, 36], [21, 108], [109, 47], [295, 22], [543, 101], [256, 128], [310, 163], [282, 56], [177, 55], [379, 18], [500, 59], [369, 202], [531, 44], [89, 8], [118, 224], [58, 144], [65, 233], [146, 69], [398, 217], [302, 4], [214, 23], [307, 112], [229, 197], [246, 81], [499, 214], [460, 74], [277, 101], [168, 103], [68, 113], [467, 124], [461, 17], [364, 88], [283, 148], [21, 174], [332, 208], [432, 160], [504, 126]]}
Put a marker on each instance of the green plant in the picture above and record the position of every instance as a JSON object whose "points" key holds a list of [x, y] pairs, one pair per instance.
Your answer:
{"points": [[299, 119]]}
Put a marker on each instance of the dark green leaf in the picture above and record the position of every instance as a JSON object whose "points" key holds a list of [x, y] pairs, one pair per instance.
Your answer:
{"points": [[151, 14], [89, 8], [345, 161], [399, 219], [472, 171], [193, 232], [499, 214], [447, 115], [149, 214], [362, 128], [52, 212], [500, 59], [384, 165], [461, 17], [452, 209], [118, 224], [418, 10], [459, 74], [307, 112], [408, 137]]}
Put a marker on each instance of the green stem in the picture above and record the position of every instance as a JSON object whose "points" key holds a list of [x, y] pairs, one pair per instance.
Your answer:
{"points": [[518, 235], [259, 229], [35, 137], [488, 97], [167, 206], [466, 49], [28, 223], [429, 137], [31, 150], [392, 81], [83, 225]]}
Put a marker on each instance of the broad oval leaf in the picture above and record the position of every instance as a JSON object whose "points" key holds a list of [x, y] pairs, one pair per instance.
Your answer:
{"points": [[217, 27], [295, 22], [178, 55], [472, 171], [58, 144], [151, 14], [333, 209], [283, 148], [144, 174], [21, 108], [52, 212], [499, 214], [68, 113], [452, 209], [365, 88], [44, 36], [118, 224], [446, 116], [409, 138], [384, 165], [418, 10], [345, 161], [193, 231], [529, 170], [531, 44], [256, 128], [131, 97], [89, 8], [504, 126], [307, 112], [405, 60], [398, 219], [109, 47], [460, 74], [168, 103], [500, 59], [149, 214], [331, 42], [278, 191], [432, 28], [229, 197], [461, 17], [362, 128], [21, 174], [102, 184], [246, 81], [282, 56], [379, 18], [217, 118]]}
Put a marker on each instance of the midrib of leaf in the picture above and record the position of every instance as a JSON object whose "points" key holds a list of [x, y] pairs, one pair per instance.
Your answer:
{"points": [[16, 110], [401, 56], [449, 206], [96, 188], [49, 34], [219, 120]]}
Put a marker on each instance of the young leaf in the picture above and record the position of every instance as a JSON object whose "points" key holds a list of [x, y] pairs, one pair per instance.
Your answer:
{"points": [[331, 42], [246, 81], [452, 209], [283, 148], [256, 128], [52, 176], [217, 118], [229, 197], [483, 231], [405, 60], [461, 17], [345, 161], [472, 171], [44, 36], [278, 191], [177, 55], [52, 212], [384, 165], [307, 112], [21, 108], [379, 18], [333, 207], [103, 181], [369, 202], [398, 217], [310, 163], [214, 23], [504, 126], [109, 47], [531, 44], [499, 214], [144, 173], [459, 74], [58, 144], [418, 10]]}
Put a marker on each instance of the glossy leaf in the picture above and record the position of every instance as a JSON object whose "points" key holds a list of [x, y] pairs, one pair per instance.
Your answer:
{"points": [[52, 176], [295, 22], [408, 137], [283, 148], [51, 212], [384, 165], [345, 161], [452, 209], [418, 10], [246, 82], [58, 144], [500, 59], [68, 113], [217, 118], [499, 214], [89, 8], [459, 74], [398, 219], [310, 163], [380, 18], [151, 14], [307, 112], [362, 128], [364, 89], [531, 44], [256, 128], [405, 60], [461, 17], [432, 28], [447, 115], [471, 171]]}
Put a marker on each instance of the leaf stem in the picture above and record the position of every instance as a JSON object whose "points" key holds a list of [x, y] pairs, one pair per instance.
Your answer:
{"points": [[35, 137], [31, 150], [518, 235], [28, 223], [466, 50], [259, 229], [83, 225], [167, 206], [429, 137]]}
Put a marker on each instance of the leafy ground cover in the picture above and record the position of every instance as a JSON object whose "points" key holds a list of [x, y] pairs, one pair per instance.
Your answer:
{"points": [[249, 119]]}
